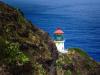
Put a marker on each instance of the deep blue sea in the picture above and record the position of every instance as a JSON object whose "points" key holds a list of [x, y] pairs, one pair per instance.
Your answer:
{"points": [[80, 20]]}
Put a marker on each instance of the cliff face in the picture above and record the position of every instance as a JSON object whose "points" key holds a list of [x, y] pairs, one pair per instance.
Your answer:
{"points": [[28, 50], [76, 62], [31, 43]]}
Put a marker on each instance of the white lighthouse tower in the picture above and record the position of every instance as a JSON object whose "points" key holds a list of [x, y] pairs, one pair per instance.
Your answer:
{"points": [[59, 40]]}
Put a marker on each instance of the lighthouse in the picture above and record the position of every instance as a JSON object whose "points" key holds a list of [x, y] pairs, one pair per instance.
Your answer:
{"points": [[59, 40]]}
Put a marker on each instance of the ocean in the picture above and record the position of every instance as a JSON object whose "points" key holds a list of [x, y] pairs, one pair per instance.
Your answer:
{"points": [[79, 20]]}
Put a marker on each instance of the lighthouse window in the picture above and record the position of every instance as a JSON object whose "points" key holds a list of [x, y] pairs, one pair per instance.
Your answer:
{"points": [[59, 37]]}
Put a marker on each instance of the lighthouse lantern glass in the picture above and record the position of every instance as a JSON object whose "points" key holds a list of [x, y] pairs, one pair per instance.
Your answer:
{"points": [[59, 37]]}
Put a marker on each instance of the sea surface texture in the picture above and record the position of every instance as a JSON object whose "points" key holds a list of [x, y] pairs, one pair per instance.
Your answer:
{"points": [[79, 19]]}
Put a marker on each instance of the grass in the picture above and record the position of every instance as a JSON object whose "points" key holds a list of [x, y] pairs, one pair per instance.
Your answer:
{"points": [[80, 51]]}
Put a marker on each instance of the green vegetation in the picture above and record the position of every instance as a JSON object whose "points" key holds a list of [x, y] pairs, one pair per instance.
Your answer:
{"points": [[80, 51], [10, 52], [75, 61], [21, 18], [40, 69], [62, 60], [68, 72]]}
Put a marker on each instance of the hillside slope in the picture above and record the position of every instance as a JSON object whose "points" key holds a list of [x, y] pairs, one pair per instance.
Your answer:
{"points": [[76, 62], [31, 44]]}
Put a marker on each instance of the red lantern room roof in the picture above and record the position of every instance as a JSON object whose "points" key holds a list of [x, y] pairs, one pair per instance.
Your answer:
{"points": [[58, 31]]}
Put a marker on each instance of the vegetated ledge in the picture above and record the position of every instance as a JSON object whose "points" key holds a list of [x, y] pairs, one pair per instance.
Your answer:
{"points": [[76, 62], [28, 50]]}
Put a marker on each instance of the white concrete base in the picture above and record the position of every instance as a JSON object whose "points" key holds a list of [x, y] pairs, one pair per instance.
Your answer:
{"points": [[60, 46], [63, 51]]}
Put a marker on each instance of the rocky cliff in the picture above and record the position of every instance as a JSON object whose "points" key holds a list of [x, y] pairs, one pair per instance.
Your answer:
{"points": [[28, 50], [32, 45], [76, 62]]}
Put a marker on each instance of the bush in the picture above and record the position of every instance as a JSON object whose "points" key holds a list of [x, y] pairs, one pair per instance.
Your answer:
{"points": [[68, 72], [10, 53], [22, 58]]}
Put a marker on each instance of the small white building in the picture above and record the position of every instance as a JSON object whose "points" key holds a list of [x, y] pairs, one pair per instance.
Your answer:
{"points": [[59, 40]]}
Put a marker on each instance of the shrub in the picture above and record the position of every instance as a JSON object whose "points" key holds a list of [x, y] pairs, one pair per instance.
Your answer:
{"points": [[22, 58], [10, 52]]}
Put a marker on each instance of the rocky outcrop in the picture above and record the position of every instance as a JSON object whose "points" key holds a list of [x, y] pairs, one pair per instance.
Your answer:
{"points": [[32, 41], [76, 62]]}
